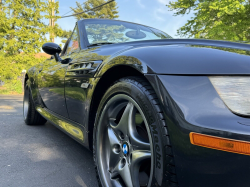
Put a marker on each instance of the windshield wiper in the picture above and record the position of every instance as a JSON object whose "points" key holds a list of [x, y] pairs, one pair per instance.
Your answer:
{"points": [[101, 43]]}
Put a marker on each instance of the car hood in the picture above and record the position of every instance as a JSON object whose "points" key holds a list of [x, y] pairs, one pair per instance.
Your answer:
{"points": [[184, 56]]}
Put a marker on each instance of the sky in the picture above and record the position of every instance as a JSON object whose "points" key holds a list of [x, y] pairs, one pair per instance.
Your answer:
{"points": [[153, 13]]}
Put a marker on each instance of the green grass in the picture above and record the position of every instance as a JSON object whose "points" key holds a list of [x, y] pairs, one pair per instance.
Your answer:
{"points": [[3, 90]]}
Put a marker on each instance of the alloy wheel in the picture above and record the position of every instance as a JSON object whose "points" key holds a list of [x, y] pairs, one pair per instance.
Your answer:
{"points": [[124, 151]]}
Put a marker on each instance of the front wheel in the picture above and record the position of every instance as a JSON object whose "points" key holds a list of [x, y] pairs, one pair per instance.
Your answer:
{"points": [[130, 138]]}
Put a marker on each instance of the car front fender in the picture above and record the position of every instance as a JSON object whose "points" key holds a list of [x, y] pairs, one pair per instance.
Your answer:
{"points": [[182, 59]]}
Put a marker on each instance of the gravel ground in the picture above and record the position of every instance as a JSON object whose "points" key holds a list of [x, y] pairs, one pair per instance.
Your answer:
{"points": [[35, 156]]}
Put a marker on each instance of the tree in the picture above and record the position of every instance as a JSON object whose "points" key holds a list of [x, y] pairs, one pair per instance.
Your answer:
{"points": [[22, 32], [22, 27], [108, 11], [65, 34], [215, 19]]}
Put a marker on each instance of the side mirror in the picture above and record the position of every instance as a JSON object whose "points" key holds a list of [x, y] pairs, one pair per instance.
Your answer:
{"points": [[52, 49]]}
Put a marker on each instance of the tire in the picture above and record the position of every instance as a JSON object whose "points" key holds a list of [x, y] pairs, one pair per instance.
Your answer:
{"points": [[31, 116], [109, 138]]}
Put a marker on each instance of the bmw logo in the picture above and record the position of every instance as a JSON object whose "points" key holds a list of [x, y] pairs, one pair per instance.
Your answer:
{"points": [[125, 148]]}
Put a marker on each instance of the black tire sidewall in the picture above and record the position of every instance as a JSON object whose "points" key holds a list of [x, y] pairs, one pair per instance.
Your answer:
{"points": [[33, 117], [26, 89], [130, 88]]}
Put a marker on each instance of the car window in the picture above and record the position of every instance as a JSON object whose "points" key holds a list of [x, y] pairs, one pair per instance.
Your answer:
{"points": [[73, 45], [99, 31]]}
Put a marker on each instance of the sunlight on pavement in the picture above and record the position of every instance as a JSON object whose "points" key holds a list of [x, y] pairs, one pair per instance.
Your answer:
{"points": [[80, 181], [39, 152], [5, 107]]}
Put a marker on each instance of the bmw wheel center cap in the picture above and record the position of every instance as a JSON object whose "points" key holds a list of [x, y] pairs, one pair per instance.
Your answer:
{"points": [[125, 148]]}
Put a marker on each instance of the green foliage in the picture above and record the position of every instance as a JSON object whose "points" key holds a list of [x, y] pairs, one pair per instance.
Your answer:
{"points": [[108, 11], [215, 19], [22, 33], [11, 70], [98, 32], [22, 27], [65, 34]]}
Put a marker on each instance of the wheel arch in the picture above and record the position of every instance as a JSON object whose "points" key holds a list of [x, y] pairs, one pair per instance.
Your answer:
{"points": [[107, 79], [26, 78], [30, 80]]}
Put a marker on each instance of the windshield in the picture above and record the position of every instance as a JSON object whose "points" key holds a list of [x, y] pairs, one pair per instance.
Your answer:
{"points": [[110, 31]]}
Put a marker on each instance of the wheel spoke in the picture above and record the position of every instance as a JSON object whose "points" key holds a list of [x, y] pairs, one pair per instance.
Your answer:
{"points": [[137, 158], [122, 169], [115, 110], [125, 119], [114, 148], [113, 140], [124, 150], [126, 176], [138, 143]]}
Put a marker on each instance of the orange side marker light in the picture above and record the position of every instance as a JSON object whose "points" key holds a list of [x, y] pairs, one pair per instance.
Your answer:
{"points": [[223, 144]]}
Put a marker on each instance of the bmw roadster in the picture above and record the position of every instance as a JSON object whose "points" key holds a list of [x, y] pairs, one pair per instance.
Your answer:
{"points": [[155, 111]]}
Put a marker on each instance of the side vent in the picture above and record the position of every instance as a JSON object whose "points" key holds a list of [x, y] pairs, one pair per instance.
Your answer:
{"points": [[83, 68]]}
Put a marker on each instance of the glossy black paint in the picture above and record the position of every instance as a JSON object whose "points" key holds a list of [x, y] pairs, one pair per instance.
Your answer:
{"points": [[77, 84], [71, 128], [51, 48], [191, 104], [51, 86], [178, 70], [184, 57]]}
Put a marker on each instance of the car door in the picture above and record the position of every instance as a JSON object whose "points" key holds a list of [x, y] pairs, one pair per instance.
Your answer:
{"points": [[51, 79], [78, 79]]}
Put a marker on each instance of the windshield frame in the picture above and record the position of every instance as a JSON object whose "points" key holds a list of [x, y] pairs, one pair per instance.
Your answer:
{"points": [[82, 24]]}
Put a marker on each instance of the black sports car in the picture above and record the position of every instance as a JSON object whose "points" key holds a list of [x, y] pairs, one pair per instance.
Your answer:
{"points": [[155, 111]]}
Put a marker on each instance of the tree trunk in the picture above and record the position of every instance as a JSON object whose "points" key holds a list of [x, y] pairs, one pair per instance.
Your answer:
{"points": [[52, 23]]}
